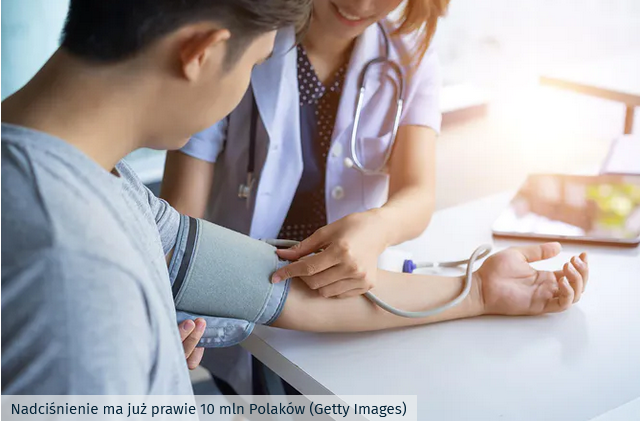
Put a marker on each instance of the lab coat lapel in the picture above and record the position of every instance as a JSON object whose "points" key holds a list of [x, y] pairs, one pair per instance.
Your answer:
{"points": [[275, 89], [368, 47], [269, 83]]}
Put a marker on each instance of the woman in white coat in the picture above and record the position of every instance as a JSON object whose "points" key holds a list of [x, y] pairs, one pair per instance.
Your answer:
{"points": [[301, 105]]}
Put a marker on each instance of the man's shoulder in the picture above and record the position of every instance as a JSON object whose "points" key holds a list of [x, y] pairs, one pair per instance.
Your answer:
{"points": [[45, 219]]}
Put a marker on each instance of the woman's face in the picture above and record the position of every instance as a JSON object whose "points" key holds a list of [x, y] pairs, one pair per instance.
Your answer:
{"points": [[349, 18]]}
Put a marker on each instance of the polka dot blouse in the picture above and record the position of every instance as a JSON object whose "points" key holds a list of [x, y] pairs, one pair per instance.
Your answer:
{"points": [[318, 109]]}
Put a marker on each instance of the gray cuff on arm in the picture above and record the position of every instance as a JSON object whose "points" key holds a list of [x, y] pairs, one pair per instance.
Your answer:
{"points": [[224, 277]]}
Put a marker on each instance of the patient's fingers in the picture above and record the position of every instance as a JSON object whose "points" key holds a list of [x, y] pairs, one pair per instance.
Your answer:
{"points": [[581, 263], [539, 252], [186, 328], [195, 358], [575, 280], [191, 341], [564, 299]]}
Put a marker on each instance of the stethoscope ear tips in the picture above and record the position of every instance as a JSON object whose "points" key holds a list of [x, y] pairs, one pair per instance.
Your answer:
{"points": [[348, 162]]}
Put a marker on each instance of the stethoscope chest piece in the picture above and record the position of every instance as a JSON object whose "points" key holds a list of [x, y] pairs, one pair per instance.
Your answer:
{"points": [[245, 189]]}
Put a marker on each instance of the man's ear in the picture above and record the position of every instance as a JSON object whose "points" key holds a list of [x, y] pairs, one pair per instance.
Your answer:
{"points": [[203, 48]]}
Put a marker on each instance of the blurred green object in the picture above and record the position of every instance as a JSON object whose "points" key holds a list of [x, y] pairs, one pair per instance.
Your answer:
{"points": [[615, 202]]}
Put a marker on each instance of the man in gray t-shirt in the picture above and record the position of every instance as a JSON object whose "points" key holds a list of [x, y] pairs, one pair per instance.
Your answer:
{"points": [[94, 266], [87, 305]]}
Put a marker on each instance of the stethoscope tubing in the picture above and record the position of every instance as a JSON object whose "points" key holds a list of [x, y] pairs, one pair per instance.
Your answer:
{"points": [[354, 159], [468, 282]]}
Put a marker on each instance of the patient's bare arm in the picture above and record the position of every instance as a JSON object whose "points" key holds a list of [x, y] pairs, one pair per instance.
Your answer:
{"points": [[505, 284], [305, 309]]}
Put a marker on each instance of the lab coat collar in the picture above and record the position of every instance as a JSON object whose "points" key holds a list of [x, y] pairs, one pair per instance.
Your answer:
{"points": [[369, 45]]}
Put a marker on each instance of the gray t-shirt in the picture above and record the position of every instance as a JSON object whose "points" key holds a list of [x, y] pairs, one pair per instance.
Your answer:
{"points": [[86, 302]]}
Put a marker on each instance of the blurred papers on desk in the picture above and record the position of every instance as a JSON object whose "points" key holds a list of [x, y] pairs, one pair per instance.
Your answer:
{"points": [[623, 157]]}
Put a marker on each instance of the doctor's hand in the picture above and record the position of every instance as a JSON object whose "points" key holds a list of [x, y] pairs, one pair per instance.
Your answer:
{"points": [[190, 333], [508, 285], [346, 261]]}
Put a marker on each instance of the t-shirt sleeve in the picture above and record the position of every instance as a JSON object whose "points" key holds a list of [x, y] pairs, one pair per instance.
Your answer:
{"points": [[167, 219], [207, 144], [422, 105], [73, 324]]}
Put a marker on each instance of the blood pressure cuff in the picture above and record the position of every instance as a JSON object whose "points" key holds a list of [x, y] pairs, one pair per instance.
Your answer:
{"points": [[224, 277]]}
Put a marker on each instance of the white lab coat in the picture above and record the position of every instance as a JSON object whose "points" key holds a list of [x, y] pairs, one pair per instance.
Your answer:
{"points": [[279, 161]]}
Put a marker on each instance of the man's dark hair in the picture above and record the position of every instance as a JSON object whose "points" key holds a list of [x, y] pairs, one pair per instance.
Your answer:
{"points": [[113, 30]]}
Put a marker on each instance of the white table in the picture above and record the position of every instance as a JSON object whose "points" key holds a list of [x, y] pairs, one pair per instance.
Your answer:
{"points": [[616, 78], [570, 366]]}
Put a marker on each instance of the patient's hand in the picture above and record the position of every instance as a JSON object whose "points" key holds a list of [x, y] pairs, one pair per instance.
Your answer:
{"points": [[508, 285], [191, 332]]}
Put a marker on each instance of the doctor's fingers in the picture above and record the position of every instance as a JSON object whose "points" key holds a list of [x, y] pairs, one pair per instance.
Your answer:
{"points": [[353, 293], [307, 246], [343, 289], [327, 277], [307, 266]]}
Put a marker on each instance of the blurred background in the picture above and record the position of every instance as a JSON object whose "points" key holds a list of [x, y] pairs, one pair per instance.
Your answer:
{"points": [[500, 122]]}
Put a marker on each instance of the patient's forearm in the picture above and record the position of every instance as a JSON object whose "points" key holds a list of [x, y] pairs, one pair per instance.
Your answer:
{"points": [[306, 310]]}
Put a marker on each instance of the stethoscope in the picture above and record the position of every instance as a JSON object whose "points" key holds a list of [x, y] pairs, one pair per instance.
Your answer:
{"points": [[354, 161], [245, 189]]}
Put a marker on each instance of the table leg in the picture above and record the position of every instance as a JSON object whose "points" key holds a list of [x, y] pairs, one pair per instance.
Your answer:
{"points": [[628, 120]]}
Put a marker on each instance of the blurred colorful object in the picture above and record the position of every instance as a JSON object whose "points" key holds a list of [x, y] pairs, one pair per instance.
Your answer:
{"points": [[615, 202], [591, 208]]}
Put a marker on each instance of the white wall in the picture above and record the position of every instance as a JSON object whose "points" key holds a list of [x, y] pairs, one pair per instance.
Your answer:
{"points": [[30, 34], [490, 40]]}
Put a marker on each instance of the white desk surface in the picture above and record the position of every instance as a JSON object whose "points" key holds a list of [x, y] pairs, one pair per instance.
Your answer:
{"points": [[616, 78], [575, 365]]}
